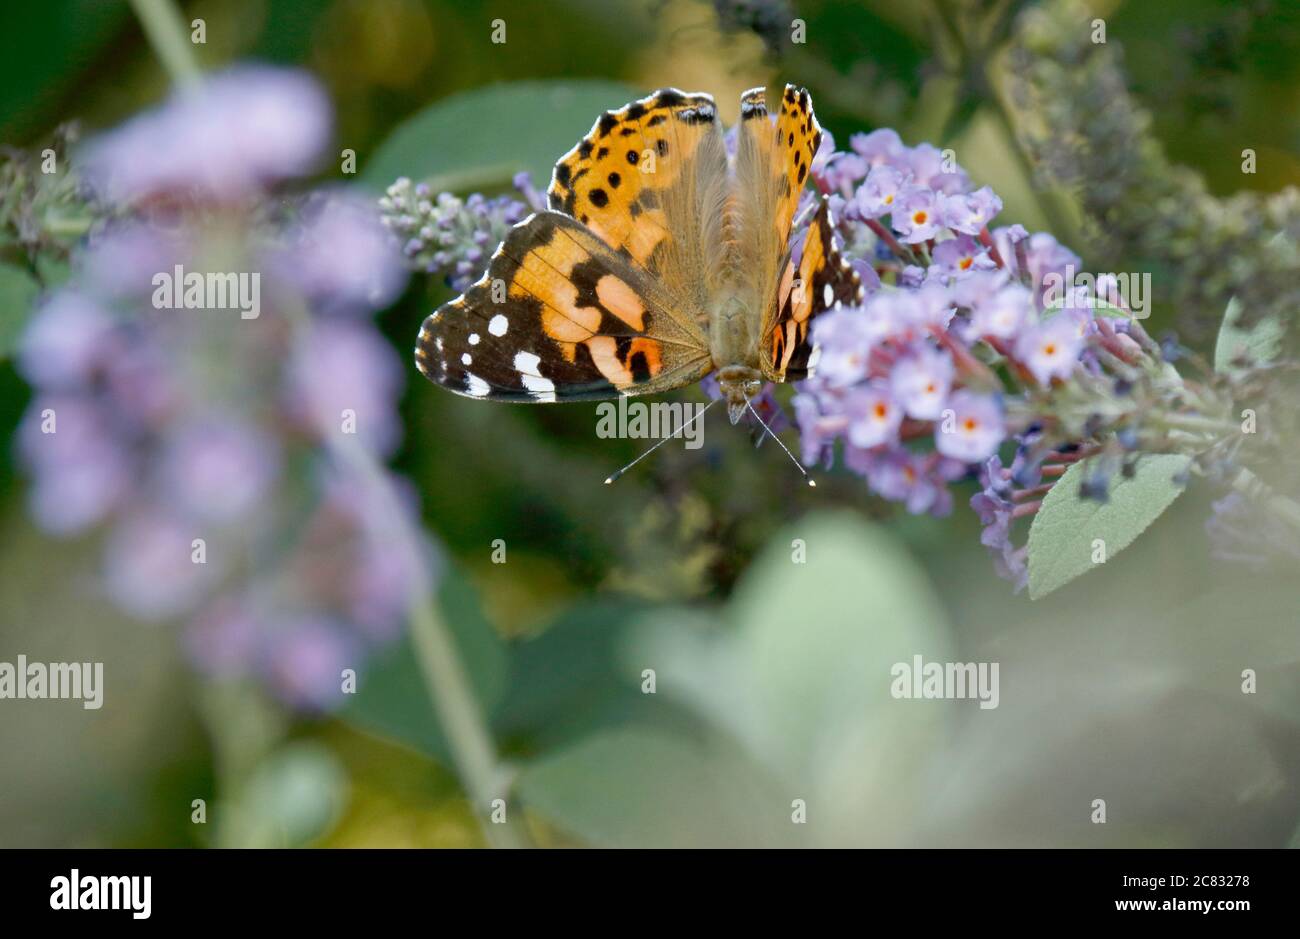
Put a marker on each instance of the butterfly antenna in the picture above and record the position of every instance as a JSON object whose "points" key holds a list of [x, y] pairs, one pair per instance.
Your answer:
{"points": [[613, 476], [812, 482]]}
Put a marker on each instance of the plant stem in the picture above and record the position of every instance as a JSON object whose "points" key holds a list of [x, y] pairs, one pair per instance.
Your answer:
{"points": [[444, 675], [445, 679], [165, 30]]}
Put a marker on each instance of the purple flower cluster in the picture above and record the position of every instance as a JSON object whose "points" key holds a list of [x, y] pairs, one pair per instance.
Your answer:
{"points": [[205, 441], [962, 331], [450, 237]]}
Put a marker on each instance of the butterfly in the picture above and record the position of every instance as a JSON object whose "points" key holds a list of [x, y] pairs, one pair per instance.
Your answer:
{"points": [[663, 258]]}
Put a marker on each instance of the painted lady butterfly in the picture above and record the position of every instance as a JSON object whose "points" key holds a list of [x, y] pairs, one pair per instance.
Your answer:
{"points": [[663, 259]]}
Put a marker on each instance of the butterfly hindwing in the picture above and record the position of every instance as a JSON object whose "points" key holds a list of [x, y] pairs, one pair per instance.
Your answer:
{"points": [[650, 179], [774, 153], [558, 316], [820, 280]]}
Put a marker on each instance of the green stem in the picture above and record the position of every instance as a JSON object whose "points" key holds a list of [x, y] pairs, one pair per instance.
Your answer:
{"points": [[445, 679], [165, 30]]}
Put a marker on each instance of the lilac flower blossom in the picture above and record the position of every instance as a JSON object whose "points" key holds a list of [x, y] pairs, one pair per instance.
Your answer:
{"points": [[450, 237], [972, 429], [946, 361], [172, 429], [227, 140]]}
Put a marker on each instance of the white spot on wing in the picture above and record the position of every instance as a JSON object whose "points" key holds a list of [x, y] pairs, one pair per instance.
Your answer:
{"points": [[476, 386], [828, 295], [526, 363], [465, 359], [473, 339], [498, 325], [813, 358]]}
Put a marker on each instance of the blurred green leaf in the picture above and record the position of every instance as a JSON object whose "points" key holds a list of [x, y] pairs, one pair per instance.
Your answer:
{"points": [[807, 655], [638, 787], [47, 45], [1062, 534], [793, 679], [293, 796], [1254, 346], [391, 697], [18, 291], [480, 139], [570, 680]]}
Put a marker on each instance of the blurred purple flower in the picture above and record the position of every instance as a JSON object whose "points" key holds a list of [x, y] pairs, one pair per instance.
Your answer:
{"points": [[304, 659], [172, 425], [226, 140], [342, 257], [344, 378], [65, 341], [219, 467], [150, 567]]}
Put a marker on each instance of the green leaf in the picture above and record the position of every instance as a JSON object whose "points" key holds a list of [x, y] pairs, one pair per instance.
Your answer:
{"points": [[18, 292], [1255, 346], [641, 788], [798, 671], [571, 681], [49, 46], [1062, 534], [480, 139], [391, 697], [293, 796]]}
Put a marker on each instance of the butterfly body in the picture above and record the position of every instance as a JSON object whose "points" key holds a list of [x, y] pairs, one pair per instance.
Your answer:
{"points": [[663, 258]]}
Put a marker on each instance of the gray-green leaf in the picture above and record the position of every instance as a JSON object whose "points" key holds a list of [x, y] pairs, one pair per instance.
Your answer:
{"points": [[480, 139], [1255, 345], [1063, 535]]}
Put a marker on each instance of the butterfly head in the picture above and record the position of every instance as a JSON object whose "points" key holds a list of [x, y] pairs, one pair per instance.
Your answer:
{"points": [[739, 383]]}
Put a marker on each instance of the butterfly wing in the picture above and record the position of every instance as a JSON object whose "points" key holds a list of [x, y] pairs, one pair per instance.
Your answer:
{"points": [[561, 316], [773, 160], [651, 180], [820, 280]]}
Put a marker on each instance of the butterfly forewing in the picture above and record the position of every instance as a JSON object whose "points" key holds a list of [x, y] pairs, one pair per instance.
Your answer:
{"points": [[651, 180], [560, 315]]}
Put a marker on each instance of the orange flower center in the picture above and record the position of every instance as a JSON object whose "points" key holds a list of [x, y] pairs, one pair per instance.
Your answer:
{"points": [[920, 218], [966, 263], [882, 410], [970, 424], [1050, 348]]}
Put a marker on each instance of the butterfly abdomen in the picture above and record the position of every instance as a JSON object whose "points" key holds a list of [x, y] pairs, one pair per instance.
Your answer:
{"points": [[733, 328]]}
